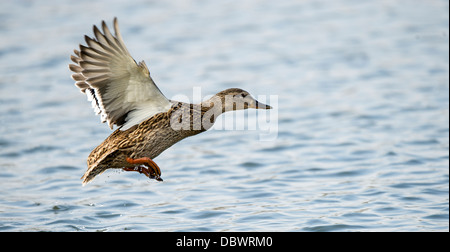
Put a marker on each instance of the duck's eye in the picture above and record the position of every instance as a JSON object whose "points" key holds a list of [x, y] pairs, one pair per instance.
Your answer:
{"points": [[242, 95]]}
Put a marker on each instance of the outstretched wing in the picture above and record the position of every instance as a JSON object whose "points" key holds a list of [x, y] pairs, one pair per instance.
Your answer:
{"points": [[121, 90]]}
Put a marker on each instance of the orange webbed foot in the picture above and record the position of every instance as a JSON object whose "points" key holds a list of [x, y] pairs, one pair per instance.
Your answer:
{"points": [[153, 171]]}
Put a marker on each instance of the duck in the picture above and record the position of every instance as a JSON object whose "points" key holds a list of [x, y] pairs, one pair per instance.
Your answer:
{"points": [[124, 95]]}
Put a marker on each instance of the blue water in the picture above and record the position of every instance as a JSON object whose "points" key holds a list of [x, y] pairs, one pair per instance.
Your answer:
{"points": [[360, 125]]}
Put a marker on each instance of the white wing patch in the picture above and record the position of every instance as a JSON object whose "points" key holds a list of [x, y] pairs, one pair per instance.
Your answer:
{"points": [[96, 105], [142, 113]]}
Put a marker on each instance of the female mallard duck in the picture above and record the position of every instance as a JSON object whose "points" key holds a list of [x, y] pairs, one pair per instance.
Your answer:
{"points": [[123, 93]]}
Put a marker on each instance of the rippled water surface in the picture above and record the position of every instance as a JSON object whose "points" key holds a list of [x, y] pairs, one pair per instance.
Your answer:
{"points": [[360, 126]]}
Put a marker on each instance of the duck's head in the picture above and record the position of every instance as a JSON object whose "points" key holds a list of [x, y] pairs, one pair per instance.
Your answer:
{"points": [[238, 99]]}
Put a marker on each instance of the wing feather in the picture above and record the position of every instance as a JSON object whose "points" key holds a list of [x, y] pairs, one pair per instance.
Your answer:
{"points": [[121, 91]]}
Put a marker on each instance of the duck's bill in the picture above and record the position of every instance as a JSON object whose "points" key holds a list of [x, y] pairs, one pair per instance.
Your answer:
{"points": [[259, 105]]}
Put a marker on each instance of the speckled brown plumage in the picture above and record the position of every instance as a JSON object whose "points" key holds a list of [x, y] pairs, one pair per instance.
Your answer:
{"points": [[148, 139]]}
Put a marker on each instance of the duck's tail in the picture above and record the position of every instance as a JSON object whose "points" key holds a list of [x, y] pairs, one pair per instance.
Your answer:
{"points": [[90, 174], [96, 163]]}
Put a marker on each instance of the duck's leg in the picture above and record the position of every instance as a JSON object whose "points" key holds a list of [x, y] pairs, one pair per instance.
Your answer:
{"points": [[152, 171]]}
